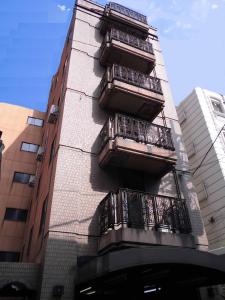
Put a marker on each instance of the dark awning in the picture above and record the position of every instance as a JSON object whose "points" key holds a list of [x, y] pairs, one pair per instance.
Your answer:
{"points": [[154, 265]]}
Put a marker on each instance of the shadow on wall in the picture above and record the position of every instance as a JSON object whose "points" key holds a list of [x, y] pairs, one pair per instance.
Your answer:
{"points": [[186, 183]]}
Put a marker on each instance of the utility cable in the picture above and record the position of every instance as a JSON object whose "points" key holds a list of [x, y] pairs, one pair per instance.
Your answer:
{"points": [[199, 166]]}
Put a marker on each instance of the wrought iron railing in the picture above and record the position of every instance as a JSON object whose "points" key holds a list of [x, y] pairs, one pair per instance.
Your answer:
{"points": [[128, 39], [127, 12], [138, 130], [135, 209], [131, 76]]}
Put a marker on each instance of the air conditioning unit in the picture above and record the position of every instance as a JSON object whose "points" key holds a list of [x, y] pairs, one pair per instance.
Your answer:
{"points": [[32, 180], [53, 114], [40, 153]]}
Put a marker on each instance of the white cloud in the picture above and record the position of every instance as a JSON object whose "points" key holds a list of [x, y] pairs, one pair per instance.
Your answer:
{"points": [[62, 7], [214, 6]]}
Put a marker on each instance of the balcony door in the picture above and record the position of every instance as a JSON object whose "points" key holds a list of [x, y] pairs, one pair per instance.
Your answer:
{"points": [[134, 182]]}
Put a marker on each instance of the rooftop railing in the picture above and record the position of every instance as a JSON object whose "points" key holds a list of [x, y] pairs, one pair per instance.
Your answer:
{"points": [[129, 39], [140, 131], [140, 210], [131, 76], [127, 12]]}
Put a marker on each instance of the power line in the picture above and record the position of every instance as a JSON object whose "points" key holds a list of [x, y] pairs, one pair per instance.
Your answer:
{"points": [[208, 150]]}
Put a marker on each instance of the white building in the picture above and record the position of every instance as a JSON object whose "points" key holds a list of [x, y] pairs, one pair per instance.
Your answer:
{"points": [[202, 117]]}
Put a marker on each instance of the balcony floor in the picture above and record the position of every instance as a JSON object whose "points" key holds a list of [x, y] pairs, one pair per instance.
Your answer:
{"points": [[125, 97], [129, 154], [128, 56]]}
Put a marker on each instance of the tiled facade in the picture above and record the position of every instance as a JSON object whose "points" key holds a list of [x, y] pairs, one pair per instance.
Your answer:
{"points": [[66, 217]]}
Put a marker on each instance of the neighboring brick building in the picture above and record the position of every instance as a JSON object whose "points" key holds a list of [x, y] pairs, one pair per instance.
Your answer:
{"points": [[114, 211], [21, 141]]}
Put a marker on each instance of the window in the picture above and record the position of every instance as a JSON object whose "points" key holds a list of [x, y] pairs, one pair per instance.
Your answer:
{"points": [[15, 214], [21, 177], [29, 147], [35, 121], [43, 216], [9, 256], [217, 106]]}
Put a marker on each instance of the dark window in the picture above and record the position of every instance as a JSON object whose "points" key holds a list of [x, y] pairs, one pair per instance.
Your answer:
{"points": [[29, 147], [30, 240], [21, 177], [52, 151], [9, 256], [15, 214], [43, 216], [35, 121], [217, 106]]}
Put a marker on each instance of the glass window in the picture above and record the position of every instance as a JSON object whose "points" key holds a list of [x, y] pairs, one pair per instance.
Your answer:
{"points": [[9, 256], [21, 177], [217, 106], [29, 147], [35, 121], [15, 214]]}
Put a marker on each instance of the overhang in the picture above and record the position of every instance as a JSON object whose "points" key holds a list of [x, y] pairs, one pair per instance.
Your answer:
{"points": [[155, 265]]}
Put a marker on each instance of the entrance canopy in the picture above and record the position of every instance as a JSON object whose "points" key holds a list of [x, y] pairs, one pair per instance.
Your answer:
{"points": [[150, 269]]}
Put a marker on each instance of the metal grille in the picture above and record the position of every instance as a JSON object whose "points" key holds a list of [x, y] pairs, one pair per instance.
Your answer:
{"points": [[134, 209], [130, 39], [137, 78], [138, 130], [130, 76], [127, 12]]}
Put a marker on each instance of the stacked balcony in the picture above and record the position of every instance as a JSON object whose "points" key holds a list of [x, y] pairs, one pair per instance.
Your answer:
{"points": [[115, 12], [127, 49], [133, 96], [124, 213], [137, 144], [130, 91]]}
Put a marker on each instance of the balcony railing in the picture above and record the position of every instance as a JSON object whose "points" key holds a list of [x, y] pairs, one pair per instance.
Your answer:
{"points": [[140, 210], [133, 77], [127, 12], [128, 39], [138, 130]]}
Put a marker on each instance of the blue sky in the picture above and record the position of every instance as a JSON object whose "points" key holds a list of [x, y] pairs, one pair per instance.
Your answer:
{"points": [[32, 35]]}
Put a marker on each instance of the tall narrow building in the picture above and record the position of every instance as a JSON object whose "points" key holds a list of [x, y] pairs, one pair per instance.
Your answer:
{"points": [[114, 211], [202, 115]]}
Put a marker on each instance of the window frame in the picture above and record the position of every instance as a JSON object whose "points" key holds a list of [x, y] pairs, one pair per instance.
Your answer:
{"points": [[23, 182], [220, 104], [16, 255], [29, 150], [33, 124], [16, 217]]}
